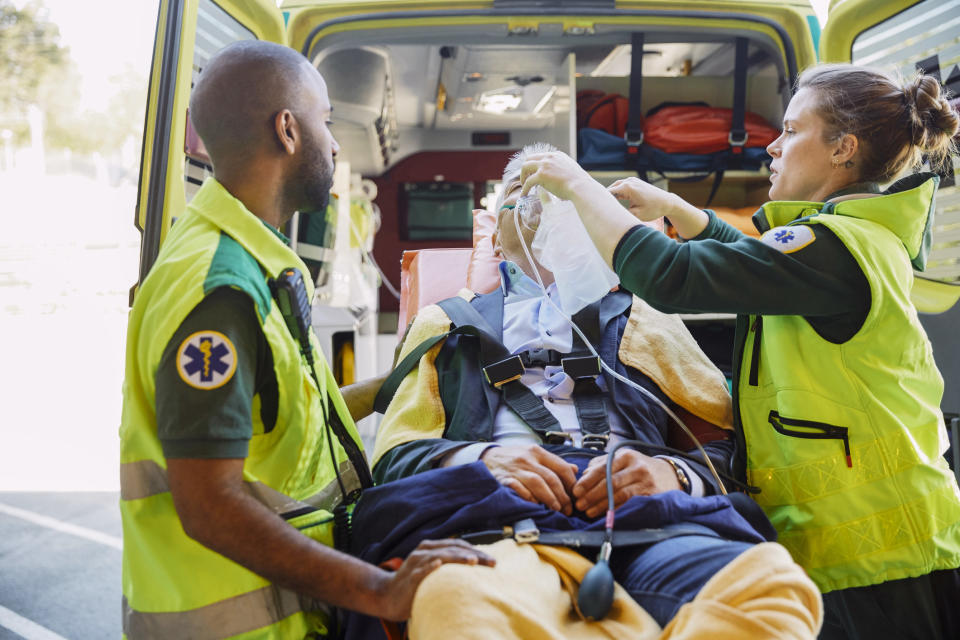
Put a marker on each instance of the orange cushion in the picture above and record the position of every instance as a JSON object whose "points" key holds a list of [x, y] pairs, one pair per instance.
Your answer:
{"points": [[428, 276], [482, 274]]}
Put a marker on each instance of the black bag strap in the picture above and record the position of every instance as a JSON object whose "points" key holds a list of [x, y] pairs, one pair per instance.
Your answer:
{"points": [[634, 132], [717, 179], [738, 131]]}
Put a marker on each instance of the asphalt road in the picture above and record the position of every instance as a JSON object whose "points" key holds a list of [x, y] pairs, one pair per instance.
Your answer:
{"points": [[59, 566]]}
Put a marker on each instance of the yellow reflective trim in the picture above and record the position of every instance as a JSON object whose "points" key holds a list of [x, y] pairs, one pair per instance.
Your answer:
{"points": [[896, 528], [829, 474], [145, 478], [142, 479], [223, 619]]}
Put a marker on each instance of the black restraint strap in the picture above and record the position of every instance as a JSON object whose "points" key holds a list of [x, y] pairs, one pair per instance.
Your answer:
{"points": [[584, 368], [526, 532], [503, 371], [389, 387]]}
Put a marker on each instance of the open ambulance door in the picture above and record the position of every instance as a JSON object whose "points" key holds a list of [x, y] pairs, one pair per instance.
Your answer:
{"points": [[904, 35], [173, 162]]}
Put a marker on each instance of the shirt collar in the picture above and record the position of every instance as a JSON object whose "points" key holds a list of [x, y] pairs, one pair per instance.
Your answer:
{"points": [[516, 284]]}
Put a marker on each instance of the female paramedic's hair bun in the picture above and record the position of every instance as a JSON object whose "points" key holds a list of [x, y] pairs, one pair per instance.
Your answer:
{"points": [[895, 123], [934, 122]]}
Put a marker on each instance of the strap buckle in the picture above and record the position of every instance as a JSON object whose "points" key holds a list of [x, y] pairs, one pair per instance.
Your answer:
{"points": [[538, 357], [556, 437], [582, 367], [737, 140], [633, 138], [526, 532], [596, 441], [500, 373]]}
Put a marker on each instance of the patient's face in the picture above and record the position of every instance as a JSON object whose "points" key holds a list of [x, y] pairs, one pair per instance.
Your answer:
{"points": [[507, 241]]}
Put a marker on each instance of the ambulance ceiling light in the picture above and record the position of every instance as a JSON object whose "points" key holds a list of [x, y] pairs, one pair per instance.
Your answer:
{"points": [[499, 101]]}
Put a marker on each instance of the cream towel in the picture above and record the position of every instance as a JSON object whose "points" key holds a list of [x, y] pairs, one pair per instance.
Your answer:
{"points": [[526, 595], [659, 345], [762, 594]]}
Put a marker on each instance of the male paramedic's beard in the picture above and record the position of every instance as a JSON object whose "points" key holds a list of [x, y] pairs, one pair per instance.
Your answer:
{"points": [[315, 176]]}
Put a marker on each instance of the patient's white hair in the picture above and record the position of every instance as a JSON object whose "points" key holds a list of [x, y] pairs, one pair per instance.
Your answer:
{"points": [[512, 170]]}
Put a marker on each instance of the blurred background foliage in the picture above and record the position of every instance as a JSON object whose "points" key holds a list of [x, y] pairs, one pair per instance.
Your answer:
{"points": [[40, 91]]}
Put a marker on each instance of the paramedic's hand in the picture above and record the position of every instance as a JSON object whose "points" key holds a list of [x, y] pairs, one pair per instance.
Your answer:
{"points": [[634, 474], [556, 172], [400, 587], [534, 474], [648, 202]]}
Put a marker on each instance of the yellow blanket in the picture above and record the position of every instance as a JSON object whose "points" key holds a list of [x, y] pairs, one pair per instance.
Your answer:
{"points": [[531, 592]]}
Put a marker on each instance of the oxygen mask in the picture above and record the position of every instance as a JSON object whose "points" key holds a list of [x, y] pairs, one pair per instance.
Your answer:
{"points": [[529, 209]]}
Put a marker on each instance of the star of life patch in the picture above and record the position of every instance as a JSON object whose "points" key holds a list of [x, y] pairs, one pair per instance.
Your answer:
{"points": [[206, 360], [789, 239]]}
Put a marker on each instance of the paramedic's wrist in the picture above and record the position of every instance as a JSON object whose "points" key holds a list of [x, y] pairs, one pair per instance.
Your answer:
{"points": [[688, 220]]}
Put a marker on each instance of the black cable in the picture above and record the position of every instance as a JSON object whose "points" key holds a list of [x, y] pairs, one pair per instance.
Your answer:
{"points": [[308, 354]]}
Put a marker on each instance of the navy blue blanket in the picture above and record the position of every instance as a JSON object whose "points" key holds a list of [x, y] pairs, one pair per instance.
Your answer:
{"points": [[392, 519]]}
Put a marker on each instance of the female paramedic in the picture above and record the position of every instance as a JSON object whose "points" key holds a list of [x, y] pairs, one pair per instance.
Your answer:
{"points": [[836, 394]]}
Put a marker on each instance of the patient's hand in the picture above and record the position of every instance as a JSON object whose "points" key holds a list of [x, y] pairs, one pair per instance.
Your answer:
{"points": [[534, 473], [634, 474]]}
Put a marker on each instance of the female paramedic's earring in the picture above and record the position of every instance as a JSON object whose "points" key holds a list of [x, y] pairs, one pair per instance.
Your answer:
{"points": [[836, 164]]}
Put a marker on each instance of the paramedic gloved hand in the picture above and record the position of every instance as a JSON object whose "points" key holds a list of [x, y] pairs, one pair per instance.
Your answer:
{"points": [[534, 474], [399, 588], [634, 474], [648, 202]]}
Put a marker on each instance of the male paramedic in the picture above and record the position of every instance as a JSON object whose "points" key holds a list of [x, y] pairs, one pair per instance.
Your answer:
{"points": [[461, 419], [238, 453]]}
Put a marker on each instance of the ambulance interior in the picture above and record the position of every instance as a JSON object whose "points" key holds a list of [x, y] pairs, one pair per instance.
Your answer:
{"points": [[427, 122], [427, 116]]}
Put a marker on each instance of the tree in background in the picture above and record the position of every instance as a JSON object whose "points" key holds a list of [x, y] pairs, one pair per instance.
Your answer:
{"points": [[31, 60], [37, 71]]}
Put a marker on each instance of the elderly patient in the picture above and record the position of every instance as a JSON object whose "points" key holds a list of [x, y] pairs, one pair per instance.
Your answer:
{"points": [[456, 423]]}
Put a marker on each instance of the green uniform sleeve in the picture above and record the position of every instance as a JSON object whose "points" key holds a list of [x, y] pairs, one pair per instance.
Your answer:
{"points": [[207, 379], [724, 271], [718, 230]]}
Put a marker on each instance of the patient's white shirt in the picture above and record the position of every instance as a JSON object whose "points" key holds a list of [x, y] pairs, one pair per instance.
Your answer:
{"points": [[530, 322]]}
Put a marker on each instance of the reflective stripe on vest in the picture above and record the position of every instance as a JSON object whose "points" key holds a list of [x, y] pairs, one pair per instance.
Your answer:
{"points": [[146, 478], [244, 613]]}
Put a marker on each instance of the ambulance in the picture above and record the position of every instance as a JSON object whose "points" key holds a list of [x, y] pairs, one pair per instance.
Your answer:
{"points": [[430, 99]]}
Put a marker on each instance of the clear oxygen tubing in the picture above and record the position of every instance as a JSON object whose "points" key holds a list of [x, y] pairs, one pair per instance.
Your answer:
{"points": [[606, 367]]}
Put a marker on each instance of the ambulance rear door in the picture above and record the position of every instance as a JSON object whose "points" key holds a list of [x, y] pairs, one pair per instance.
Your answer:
{"points": [[173, 162], [904, 35]]}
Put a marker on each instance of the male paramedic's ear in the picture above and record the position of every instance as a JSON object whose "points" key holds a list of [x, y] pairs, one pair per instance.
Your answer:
{"points": [[286, 128]]}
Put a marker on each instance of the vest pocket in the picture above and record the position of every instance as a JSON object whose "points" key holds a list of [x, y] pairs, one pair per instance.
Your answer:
{"points": [[811, 429]]}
